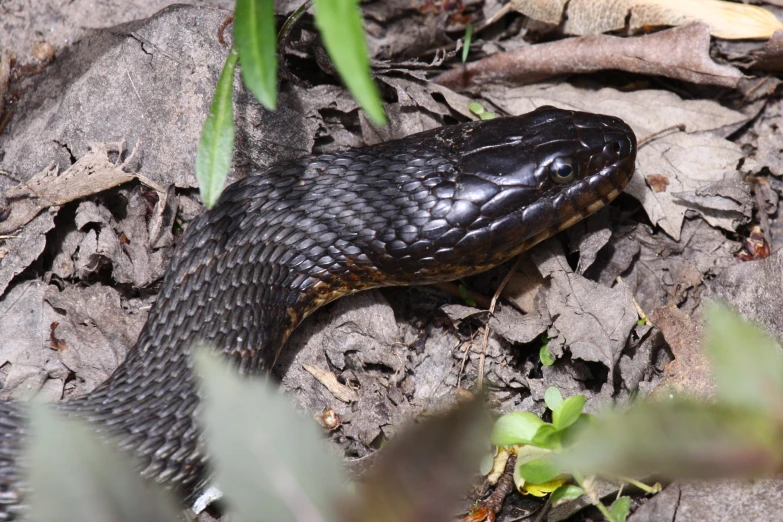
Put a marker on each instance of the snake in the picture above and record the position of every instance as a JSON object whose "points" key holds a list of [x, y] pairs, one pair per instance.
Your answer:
{"points": [[434, 206]]}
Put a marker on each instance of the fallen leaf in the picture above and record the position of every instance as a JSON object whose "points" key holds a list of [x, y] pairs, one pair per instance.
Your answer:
{"points": [[689, 162], [689, 373], [681, 53], [96, 330], [92, 173], [726, 19], [26, 328], [23, 248], [594, 320], [770, 58], [670, 110]]}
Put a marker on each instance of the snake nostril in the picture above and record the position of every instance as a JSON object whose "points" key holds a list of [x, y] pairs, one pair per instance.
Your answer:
{"points": [[613, 149]]}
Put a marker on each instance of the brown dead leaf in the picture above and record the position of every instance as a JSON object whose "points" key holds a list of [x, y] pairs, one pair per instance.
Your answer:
{"points": [[657, 182], [681, 53], [24, 334], [594, 320], [523, 286], [92, 173], [94, 331], [689, 162], [22, 249], [726, 19], [689, 373], [770, 58]]}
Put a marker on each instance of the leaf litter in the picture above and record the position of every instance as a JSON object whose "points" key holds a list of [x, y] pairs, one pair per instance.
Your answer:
{"points": [[398, 354]]}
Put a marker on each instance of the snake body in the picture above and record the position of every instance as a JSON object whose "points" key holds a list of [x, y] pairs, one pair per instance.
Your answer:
{"points": [[434, 206]]}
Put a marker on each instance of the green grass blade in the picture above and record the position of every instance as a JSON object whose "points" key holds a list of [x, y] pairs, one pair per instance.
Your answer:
{"points": [[468, 41], [340, 23], [256, 41], [216, 145]]}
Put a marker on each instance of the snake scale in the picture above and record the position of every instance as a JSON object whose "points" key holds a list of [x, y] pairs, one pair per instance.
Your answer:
{"points": [[434, 206]]}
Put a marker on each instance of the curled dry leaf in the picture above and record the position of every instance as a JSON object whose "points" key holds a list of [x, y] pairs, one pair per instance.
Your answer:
{"points": [[770, 58], [681, 53], [726, 19], [92, 173]]}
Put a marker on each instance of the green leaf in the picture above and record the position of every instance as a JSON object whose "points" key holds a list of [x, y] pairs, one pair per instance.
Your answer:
{"points": [[746, 363], [527, 454], [620, 508], [553, 398], [340, 24], [572, 433], [539, 471], [517, 427], [547, 437], [75, 476], [488, 116], [476, 108], [468, 40], [255, 39], [267, 458], [566, 492], [545, 355], [216, 145], [463, 292], [568, 411]]}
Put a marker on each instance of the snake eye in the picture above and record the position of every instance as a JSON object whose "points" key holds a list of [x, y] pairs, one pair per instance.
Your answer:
{"points": [[562, 171]]}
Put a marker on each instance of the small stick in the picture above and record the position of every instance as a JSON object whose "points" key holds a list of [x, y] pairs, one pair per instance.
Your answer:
{"points": [[492, 311]]}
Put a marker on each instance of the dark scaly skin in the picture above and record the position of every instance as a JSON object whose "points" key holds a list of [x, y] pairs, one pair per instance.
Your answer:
{"points": [[434, 206]]}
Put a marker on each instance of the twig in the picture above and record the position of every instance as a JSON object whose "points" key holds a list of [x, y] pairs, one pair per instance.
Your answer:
{"points": [[754, 88], [655, 135], [503, 488], [639, 310], [465, 359], [503, 11], [222, 28], [492, 304]]}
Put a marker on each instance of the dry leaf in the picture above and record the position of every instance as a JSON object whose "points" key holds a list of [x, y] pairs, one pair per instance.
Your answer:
{"points": [[681, 53], [329, 379], [726, 19], [689, 373], [689, 162], [92, 173], [547, 11]]}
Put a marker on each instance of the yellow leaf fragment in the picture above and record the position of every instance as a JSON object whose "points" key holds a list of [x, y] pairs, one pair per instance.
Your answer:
{"points": [[542, 490], [727, 20]]}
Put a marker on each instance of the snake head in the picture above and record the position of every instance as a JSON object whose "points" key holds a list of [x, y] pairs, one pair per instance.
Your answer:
{"points": [[516, 181], [537, 174]]}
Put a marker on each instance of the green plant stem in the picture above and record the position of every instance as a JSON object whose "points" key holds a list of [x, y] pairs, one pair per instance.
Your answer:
{"points": [[291, 20], [591, 495], [651, 490]]}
